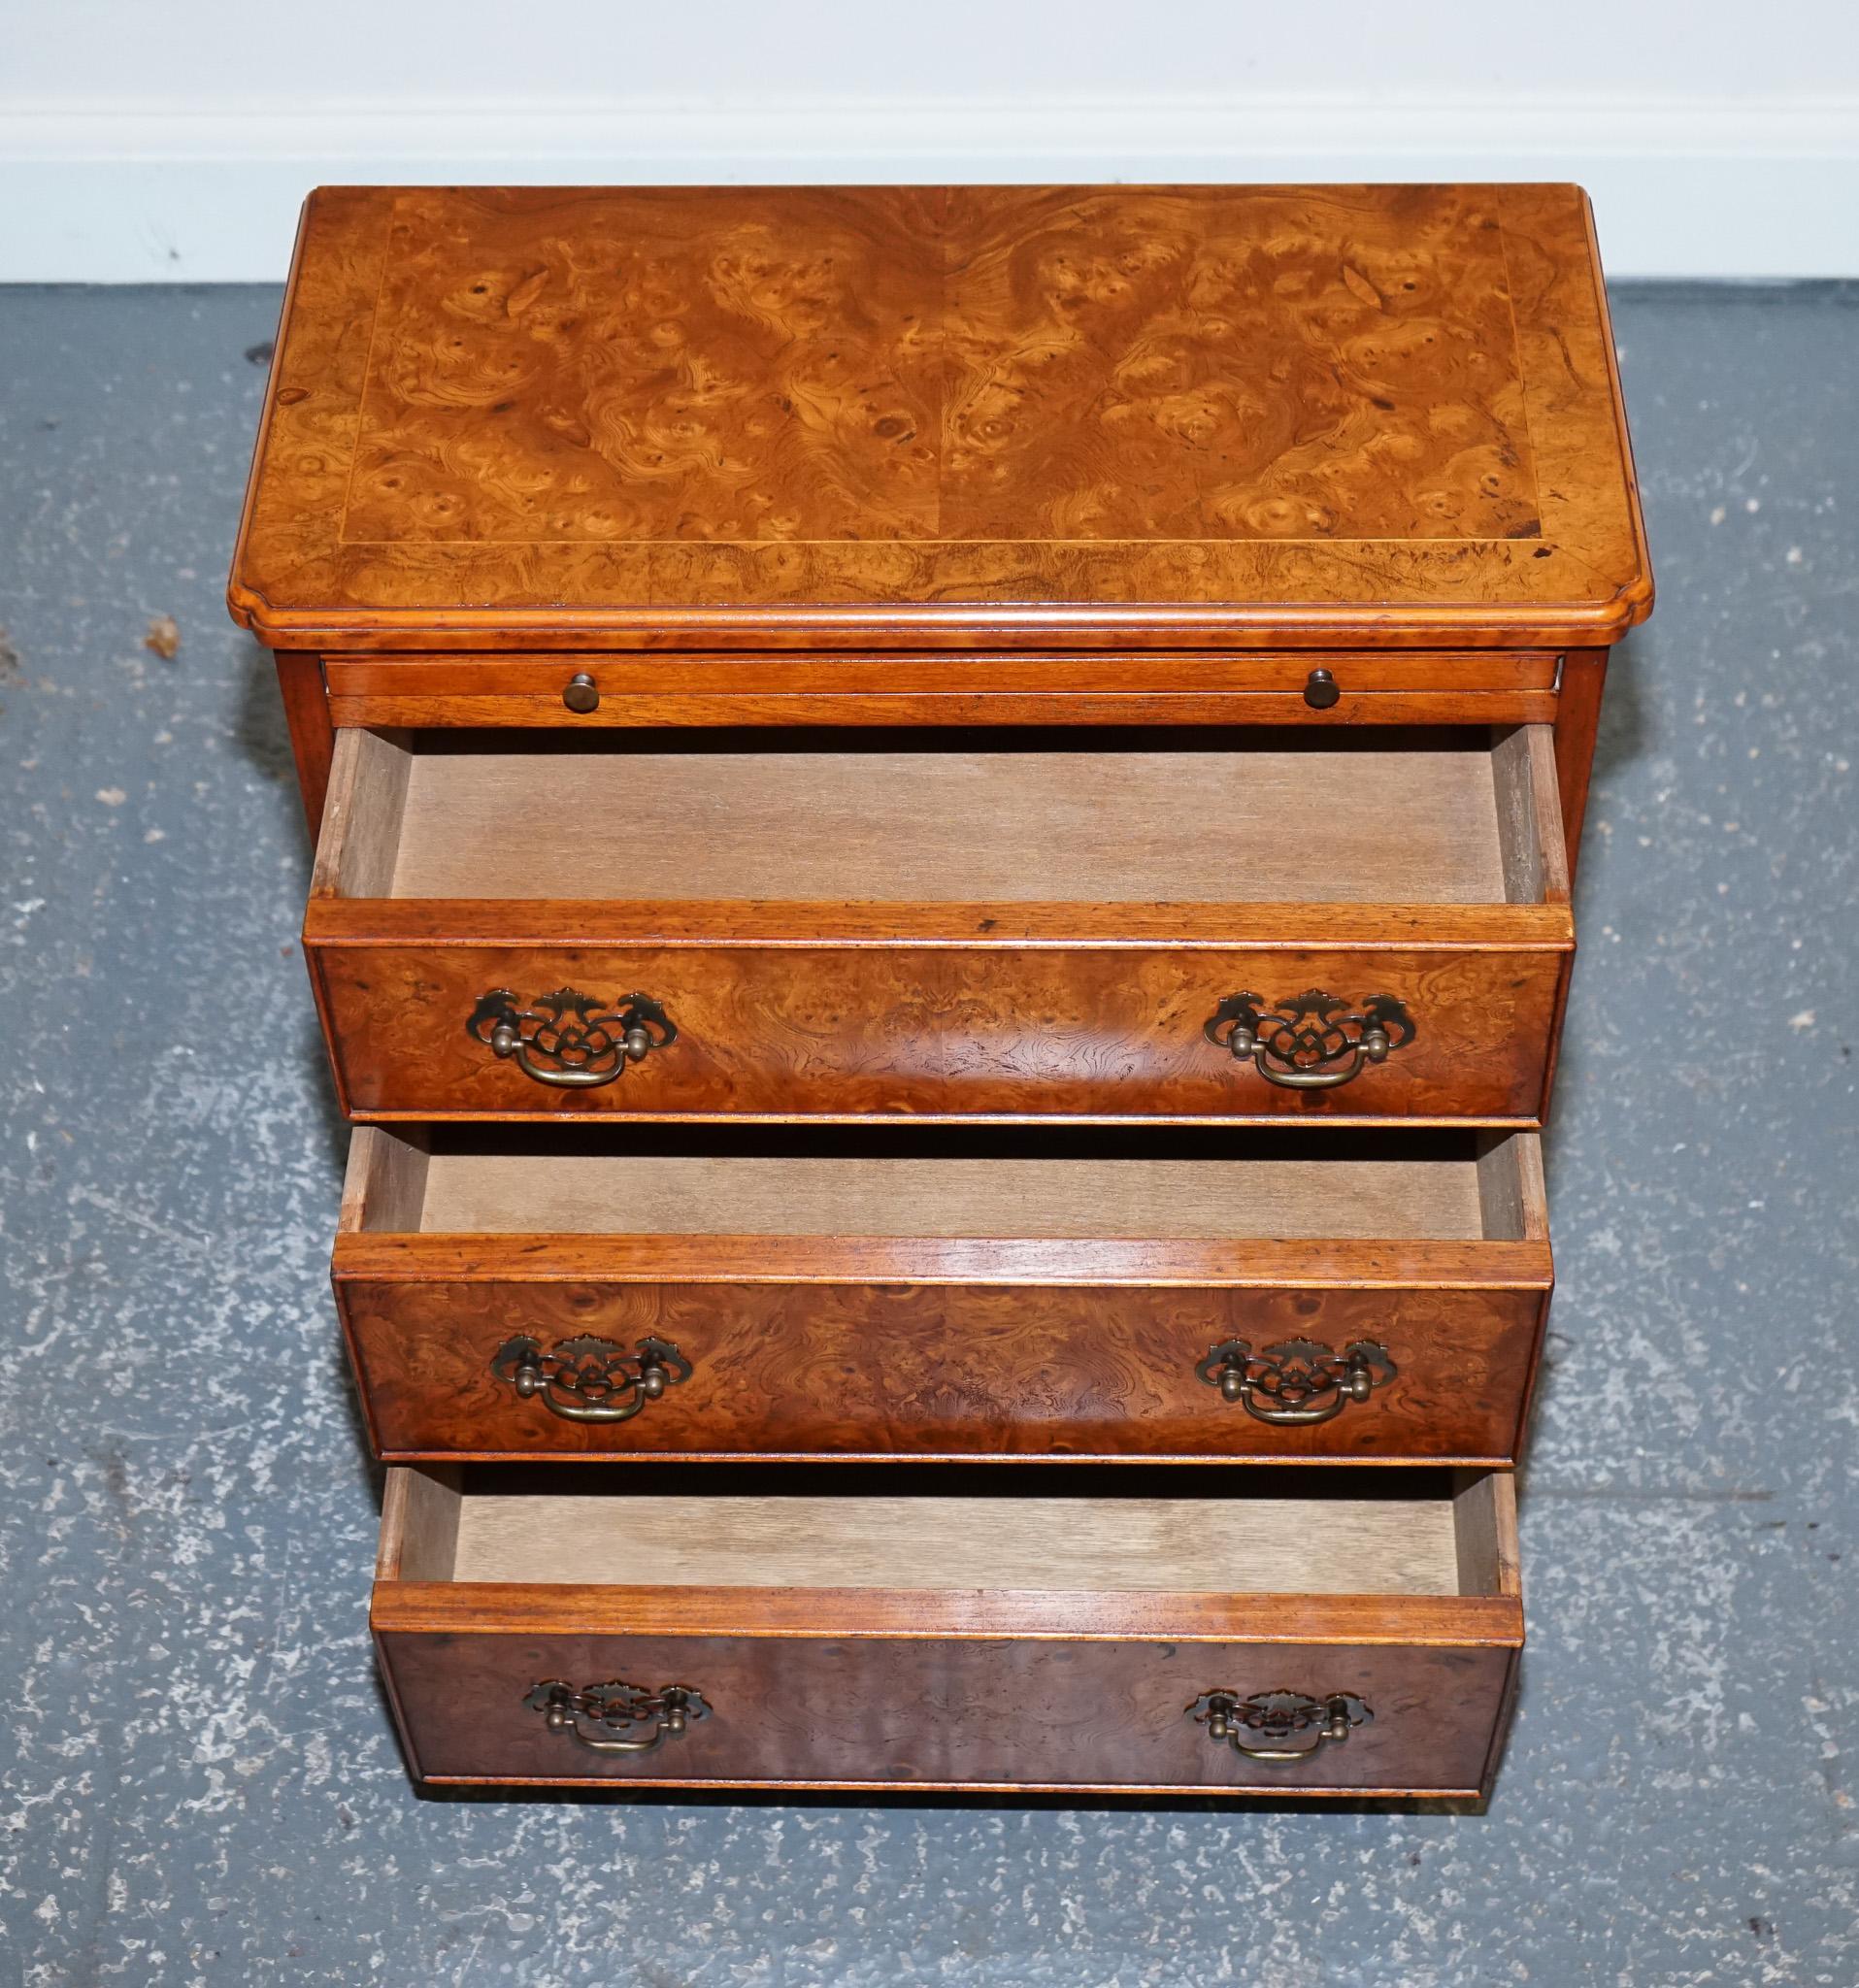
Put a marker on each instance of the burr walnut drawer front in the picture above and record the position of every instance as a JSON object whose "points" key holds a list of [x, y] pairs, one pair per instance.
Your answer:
{"points": [[1294, 1296], [1345, 930], [591, 692], [1130, 1630]]}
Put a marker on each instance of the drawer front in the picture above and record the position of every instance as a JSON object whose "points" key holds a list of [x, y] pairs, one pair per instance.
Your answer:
{"points": [[601, 692], [504, 1367], [944, 1711], [871, 1030]]}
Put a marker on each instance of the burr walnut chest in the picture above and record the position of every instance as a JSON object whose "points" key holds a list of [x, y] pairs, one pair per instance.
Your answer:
{"points": [[941, 902]]}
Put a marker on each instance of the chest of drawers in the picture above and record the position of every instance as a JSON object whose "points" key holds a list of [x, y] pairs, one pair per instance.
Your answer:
{"points": [[943, 821]]}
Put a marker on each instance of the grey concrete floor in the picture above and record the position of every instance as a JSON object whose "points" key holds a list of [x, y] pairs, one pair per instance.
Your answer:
{"points": [[199, 1783]]}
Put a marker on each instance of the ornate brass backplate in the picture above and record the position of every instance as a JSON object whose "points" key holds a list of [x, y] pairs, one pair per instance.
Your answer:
{"points": [[1312, 1042], [606, 1718], [589, 1379], [569, 1040], [1288, 1725], [1296, 1381]]}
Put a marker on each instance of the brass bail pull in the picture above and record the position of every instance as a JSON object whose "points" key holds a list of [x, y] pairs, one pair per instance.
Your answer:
{"points": [[601, 1717], [1296, 1383], [1274, 1717], [1312, 1042], [590, 1379], [570, 1041]]}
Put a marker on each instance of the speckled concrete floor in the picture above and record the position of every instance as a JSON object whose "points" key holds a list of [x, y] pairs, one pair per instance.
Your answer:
{"points": [[201, 1784]]}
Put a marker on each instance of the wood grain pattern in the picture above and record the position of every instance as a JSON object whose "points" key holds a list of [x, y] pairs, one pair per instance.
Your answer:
{"points": [[938, 458], [664, 369], [385, 1186], [1384, 1546], [1519, 846], [1578, 726], [442, 1608], [1158, 709], [1149, 688], [948, 1260], [420, 1514], [1152, 365], [1244, 824], [928, 1686], [574, 1188], [1484, 1514], [873, 1371], [890, 999], [304, 695], [930, 1712], [919, 416], [627, 681], [848, 1318], [364, 812], [1512, 1199], [872, 1030]]}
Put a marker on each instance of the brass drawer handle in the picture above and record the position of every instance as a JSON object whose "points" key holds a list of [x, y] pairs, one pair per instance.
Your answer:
{"points": [[568, 1038], [1296, 1381], [600, 1716], [1299, 1045], [590, 1379], [1279, 1715]]}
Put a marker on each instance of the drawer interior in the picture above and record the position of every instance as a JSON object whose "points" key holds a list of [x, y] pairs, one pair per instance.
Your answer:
{"points": [[1422, 1532], [1181, 1185], [1255, 817]]}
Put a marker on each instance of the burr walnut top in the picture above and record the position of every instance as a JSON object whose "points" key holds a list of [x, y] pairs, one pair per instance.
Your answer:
{"points": [[772, 418]]}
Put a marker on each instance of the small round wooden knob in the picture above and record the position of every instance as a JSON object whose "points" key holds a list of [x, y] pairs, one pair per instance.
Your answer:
{"points": [[1320, 690], [582, 693]]}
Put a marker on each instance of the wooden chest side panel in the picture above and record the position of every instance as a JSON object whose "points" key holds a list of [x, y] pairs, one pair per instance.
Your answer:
{"points": [[920, 1371], [946, 1712]]}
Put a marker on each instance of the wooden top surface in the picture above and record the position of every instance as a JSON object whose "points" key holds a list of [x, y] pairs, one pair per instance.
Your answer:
{"points": [[768, 418]]}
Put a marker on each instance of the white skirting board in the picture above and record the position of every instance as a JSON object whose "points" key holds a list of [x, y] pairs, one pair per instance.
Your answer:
{"points": [[89, 194]]}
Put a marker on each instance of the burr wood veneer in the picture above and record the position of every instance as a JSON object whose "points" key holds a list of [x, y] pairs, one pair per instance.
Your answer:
{"points": [[947, 935], [956, 1307], [978, 1640], [983, 783], [909, 417]]}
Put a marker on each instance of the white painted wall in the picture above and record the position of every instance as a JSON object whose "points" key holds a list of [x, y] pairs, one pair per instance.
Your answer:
{"points": [[155, 140]]}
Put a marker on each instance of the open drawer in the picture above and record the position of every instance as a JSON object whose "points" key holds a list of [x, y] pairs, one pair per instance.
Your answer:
{"points": [[610, 1292], [1348, 928], [1295, 1631]]}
